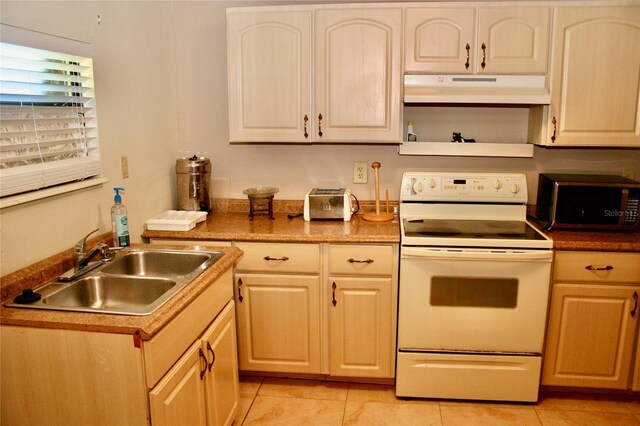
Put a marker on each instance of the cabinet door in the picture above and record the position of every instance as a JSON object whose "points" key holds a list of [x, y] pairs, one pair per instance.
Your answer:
{"points": [[278, 322], [221, 381], [178, 399], [595, 77], [512, 40], [360, 327], [591, 336], [440, 40], [269, 72], [358, 75]]}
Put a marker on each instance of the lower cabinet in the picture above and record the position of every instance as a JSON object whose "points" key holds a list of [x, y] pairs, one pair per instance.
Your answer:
{"points": [[187, 374], [593, 323], [317, 308], [362, 310], [277, 293], [202, 387]]}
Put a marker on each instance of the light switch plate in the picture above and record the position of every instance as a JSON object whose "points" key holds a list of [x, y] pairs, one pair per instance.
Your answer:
{"points": [[360, 172]]}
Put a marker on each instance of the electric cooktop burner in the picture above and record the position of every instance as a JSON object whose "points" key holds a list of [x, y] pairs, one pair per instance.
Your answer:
{"points": [[481, 229]]}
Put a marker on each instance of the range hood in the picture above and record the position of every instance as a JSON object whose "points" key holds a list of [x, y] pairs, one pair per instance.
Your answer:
{"points": [[476, 89]]}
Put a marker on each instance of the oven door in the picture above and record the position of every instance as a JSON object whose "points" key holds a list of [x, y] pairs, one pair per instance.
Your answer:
{"points": [[478, 300]]}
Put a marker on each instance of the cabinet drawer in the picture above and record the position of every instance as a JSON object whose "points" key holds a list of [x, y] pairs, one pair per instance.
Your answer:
{"points": [[267, 257], [596, 266], [361, 259]]}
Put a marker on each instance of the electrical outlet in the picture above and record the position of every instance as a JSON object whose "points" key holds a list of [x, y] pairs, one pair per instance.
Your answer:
{"points": [[629, 174], [124, 166], [360, 172]]}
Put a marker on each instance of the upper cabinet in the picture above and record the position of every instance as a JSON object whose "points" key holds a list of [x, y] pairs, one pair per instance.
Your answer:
{"points": [[269, 75], [484, 40], [354, 56], [595, 77], [358, 75]]}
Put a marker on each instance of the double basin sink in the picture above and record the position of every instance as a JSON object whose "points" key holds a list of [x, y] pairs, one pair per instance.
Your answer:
{"points": [[137, 282]]}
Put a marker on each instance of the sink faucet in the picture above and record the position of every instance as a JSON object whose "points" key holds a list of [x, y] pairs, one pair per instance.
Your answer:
{"points": [[81, 259]]}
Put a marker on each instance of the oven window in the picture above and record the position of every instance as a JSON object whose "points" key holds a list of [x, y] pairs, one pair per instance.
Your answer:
{"points": [[474, 292]]}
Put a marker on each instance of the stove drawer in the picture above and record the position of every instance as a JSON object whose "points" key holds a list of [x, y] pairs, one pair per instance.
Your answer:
{"points": [[352, 259], [462, 376], [596, 266]]}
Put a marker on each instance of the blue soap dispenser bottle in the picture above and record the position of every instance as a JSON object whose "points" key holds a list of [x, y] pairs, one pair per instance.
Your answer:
{"points": [[119, 221]]}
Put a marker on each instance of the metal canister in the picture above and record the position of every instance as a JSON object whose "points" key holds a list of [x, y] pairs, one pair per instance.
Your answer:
{"points": [[194, 177]]}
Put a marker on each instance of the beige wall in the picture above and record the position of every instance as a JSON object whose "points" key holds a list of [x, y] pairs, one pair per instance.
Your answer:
{"points": [[174, 103], [133, 71]]}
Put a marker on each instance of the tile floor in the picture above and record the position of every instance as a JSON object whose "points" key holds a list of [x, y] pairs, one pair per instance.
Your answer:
{"points": [[275, 401]]}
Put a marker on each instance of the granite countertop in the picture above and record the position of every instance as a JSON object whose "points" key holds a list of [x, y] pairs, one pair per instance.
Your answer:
{"points": [[236, 226], [143, 326]]}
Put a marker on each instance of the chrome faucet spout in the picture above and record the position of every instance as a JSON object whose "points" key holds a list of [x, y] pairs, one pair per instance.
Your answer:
{"points": [[81, 250]]}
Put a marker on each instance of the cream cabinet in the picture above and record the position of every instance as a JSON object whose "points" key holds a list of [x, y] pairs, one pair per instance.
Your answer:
{"points": [[595, 77], [484, 40], [202, 387], [277, 292], [105, 378], [593, 320], [362, 319], [358, 75], [314, 75], [269, 75]]}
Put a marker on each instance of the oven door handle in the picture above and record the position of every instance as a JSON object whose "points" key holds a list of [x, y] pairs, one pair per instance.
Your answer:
{"points": [[489, 254]]}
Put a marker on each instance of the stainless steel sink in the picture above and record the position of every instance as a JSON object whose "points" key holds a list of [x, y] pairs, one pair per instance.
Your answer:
{"points": [[137, 282], [114, 294], [157, 263]]}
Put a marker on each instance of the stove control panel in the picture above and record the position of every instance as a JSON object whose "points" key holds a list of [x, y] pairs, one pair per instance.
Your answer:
{"points": [[464, 187]]}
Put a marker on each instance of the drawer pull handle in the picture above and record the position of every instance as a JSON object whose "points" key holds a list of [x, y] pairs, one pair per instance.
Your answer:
{"points": [[320, 124], [553, 136], [306, 119], [484, 55], [283, 258], [598, 268], [213, 355], [333, 296], [202, 356], [240, 298], [352, 260], [635, 304]]}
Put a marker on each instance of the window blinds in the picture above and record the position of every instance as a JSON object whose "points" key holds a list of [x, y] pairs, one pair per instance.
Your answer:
{"points": [[48, 126]]}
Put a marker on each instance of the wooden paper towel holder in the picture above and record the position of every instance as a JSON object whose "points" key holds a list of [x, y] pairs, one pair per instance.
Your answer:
{"points": [[378, 216]]}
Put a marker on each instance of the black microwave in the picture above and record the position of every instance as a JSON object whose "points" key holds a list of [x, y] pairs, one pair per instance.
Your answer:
{"points": [[583, 201]]}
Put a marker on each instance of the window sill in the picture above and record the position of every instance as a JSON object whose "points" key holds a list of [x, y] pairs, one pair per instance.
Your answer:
{"points": [[15, 200]]}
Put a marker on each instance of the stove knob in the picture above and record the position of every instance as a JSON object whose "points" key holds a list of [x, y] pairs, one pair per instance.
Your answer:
{"points": [[497, 184], [515, 188], [432, 183], [418, 187]]}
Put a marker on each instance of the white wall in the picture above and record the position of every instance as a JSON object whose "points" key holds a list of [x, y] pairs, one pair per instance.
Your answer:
{"points": [[173, 102]]}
